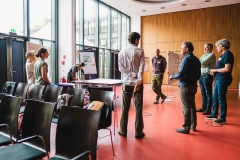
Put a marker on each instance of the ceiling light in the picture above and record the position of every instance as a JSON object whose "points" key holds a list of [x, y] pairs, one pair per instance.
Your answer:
{"points": [[144, 10], [162, 7], [184, 4], [207, 0]]}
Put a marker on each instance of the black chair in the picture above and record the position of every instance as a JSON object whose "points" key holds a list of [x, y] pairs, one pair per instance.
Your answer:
{"points": [[35, 132], [75, 135], [9, 87], [78, 96], [106, 116], [51, 93], [21, 90], [9, 109], [35, 93]]}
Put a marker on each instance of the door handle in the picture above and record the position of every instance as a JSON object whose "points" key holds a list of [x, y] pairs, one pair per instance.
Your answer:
{"points": [[11, 71]]}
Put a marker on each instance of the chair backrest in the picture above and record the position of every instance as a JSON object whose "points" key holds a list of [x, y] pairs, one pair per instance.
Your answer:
{"points": [[9, 87], [9, 110], [21, 90], [78, 96], [102, 88], [37, 121], [107, 98], [77, 132], [51, 93], [36, 92]]}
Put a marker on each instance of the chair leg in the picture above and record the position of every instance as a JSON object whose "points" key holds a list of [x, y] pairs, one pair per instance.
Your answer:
{"points": [[111, 140]]}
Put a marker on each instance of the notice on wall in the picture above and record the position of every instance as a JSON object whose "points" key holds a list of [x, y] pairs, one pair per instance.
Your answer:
{"points": [[89, 59], [146, 67]]}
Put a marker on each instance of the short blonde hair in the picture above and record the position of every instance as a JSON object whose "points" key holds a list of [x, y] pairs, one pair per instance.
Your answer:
{"points": [[29, 53]]}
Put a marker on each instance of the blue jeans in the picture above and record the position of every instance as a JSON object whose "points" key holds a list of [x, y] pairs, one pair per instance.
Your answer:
{"points": [[205, 82], [219, 99]]}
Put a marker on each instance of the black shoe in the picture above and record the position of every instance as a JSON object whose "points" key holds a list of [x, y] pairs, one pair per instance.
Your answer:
{"points": [[140, 136], [163, 99], [123, 135], [193, 129], [155, 102], [207, 112], [219, 121], [181, 130], [200, 110], [211, 117]]}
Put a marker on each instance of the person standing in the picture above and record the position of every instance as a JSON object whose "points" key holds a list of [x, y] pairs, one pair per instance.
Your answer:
{"points": [[223, 76], [159, 64], [208, 61], [189, 73], [41, 68], [131, 64], [30, 67]]}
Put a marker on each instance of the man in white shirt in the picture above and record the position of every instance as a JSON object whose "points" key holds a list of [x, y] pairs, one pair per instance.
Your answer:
{"points": [[30, 67], [131, 64]]}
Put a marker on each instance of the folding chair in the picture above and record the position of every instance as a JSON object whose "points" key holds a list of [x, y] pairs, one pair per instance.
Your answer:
{"points": [[75, 135], [35, 132]]}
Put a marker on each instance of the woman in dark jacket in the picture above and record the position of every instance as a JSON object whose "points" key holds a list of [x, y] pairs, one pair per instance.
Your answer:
{"points": [[74, 69]]}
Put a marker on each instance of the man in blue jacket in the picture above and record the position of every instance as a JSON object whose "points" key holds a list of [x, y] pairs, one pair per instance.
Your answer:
{"points": [[189, 73]]}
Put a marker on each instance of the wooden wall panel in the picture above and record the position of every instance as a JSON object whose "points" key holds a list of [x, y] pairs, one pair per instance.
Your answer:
{"points": [[149, 52], [168, 31], [149, 26], [165, 28], [236, 21]]}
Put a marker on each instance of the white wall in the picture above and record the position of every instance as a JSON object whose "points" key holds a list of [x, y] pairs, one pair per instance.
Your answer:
{"points": [[67, 35], [136, 25]]}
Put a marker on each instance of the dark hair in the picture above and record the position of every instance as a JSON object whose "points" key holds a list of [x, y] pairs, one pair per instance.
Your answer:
{"points": [[82, 64], [40, 51], [133, 36], [189, 45]]}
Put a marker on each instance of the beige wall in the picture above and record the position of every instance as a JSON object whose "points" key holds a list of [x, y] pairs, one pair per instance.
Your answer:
{"points": [[168, 31]]}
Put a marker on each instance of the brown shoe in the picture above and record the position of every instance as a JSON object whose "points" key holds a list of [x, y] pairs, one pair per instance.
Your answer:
{"points": [[163, 99]]}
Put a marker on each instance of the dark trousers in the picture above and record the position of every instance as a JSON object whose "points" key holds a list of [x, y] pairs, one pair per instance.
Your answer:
{"points": [[187, 95], [157, 86], [205, 82], [138, 101], [219, 98]]}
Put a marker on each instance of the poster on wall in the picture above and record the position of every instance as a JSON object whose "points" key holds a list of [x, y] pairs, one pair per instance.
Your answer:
{"points": [[146, 67], [89, 59]]}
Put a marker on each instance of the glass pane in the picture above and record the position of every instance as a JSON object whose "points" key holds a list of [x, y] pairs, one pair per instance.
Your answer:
{"points": [[11, 19], [124, 33], [89, 22], [49, 60], [79, 22], [114, 38], [103, 22], [40, 19]]}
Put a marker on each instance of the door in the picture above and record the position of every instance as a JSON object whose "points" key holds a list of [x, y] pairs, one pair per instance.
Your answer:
{"points": [[12, 60]]}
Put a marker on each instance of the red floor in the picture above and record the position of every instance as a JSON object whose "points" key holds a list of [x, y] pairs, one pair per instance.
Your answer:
{"points": [[162, 142]]}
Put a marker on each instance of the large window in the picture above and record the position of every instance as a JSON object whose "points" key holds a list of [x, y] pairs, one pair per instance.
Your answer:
{"points": [[114, 38], [103, 26], [40, 19], [12, 16]]}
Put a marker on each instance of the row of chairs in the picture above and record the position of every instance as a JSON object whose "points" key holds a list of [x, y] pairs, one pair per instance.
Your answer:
{"points": [[75, 138]]}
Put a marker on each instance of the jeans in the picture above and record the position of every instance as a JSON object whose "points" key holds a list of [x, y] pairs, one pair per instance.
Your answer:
{"points": [[219, 99], [157, 86], [138, 101], [205, 82], [187, 95]]}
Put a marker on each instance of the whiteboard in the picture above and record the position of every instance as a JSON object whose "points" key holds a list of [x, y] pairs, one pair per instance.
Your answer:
{"points": [[146, 66], [89, 59], [173, 64]]}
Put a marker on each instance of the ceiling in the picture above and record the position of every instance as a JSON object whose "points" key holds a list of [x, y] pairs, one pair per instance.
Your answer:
{"points": [[135, 8]]}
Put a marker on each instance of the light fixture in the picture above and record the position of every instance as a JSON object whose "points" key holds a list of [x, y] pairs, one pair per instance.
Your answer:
{"points": [[207, 0], [144, 10], [162, 7], [184, 4]]}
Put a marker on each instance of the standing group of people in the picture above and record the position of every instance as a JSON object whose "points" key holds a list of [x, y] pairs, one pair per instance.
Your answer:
{"points": [[37, 70], [191, 71]]}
